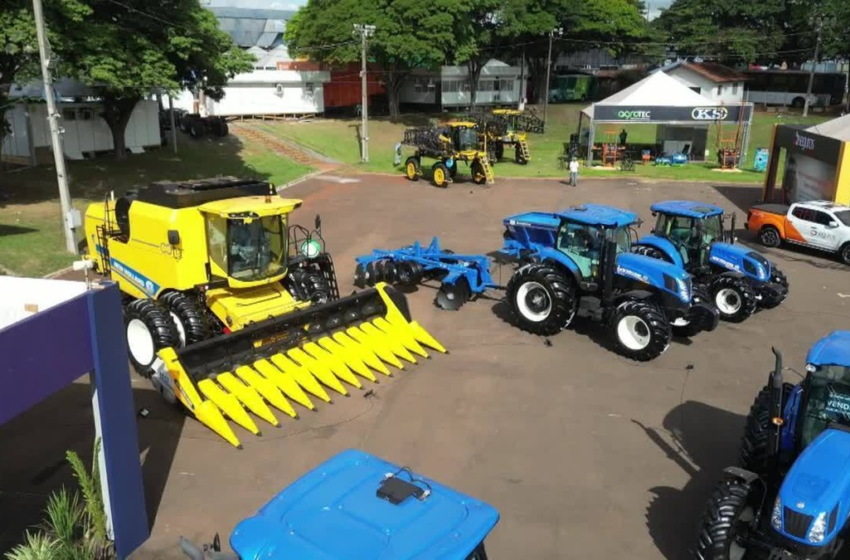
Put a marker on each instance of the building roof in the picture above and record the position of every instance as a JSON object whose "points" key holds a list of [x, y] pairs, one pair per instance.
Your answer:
{"points": [[838, 128], [252, 27], [713, 71]]}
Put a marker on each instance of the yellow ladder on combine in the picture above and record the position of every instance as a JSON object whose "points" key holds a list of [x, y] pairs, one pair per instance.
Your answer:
{"points": [[523, 149], [488, 170]]}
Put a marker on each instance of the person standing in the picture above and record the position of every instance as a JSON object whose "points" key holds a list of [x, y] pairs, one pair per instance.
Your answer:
{"points": [[574, 172]]}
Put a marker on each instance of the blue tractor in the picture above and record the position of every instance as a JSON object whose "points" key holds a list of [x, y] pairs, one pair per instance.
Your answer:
{"points": [[356, 506], [578, 262], [691, 235], [789, 498]]}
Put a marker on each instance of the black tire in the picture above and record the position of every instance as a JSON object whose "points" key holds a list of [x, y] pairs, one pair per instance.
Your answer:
{"points": [[197, 129], [518, 155], [722, 519], [500, 151], [144, 317], [768, 300], [845, 254], [440, 175], [777, 276], [769, 237], [188, 315], [542, 299], [641, 330], [222, 129], [412, 169], [754, 453], [701, 295], [798, 102], [652, 252], [734, 298], [477, 173]]}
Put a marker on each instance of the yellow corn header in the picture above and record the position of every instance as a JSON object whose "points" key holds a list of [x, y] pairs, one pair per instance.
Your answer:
{"points": [[295, 358]]}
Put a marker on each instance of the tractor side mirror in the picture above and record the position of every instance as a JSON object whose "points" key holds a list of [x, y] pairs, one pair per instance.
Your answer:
{"points": [[318, 223], [173, 237]]}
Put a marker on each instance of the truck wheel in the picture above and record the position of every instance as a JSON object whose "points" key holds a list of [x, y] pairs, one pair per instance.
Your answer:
{"points": [[727, 513], [648, 251], [689, 329], [412, 169], [542, 300], [197, 129], [149, 328], [641, 330], [734, 298], [845, 253], [769, 236], [188, 316]]}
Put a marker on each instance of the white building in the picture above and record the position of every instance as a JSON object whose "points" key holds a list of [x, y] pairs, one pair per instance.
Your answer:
{"points": [[709, 79], [498, 84]]}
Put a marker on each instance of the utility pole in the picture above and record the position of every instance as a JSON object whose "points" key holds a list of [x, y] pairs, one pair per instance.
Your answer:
{"points": [[560, 32], [55, 135], [812, 70], [365, 31]]}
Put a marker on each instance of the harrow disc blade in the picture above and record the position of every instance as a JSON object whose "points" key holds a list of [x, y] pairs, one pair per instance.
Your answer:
{"points": [[371, 274], [360, 276], [337, 345], [451, 297]]}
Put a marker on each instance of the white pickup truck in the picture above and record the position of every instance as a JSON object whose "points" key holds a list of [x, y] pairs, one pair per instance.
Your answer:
{"points": [[820, 224]]}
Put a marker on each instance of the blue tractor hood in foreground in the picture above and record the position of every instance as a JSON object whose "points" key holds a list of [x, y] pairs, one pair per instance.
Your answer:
{"points": [[332, 512], [818, 483], [833, 349], [655, 272]]}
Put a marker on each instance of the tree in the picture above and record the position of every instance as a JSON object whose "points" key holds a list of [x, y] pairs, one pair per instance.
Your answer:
{"points": [[125, 50], [409, 34], [732, 31], [477, 39]]}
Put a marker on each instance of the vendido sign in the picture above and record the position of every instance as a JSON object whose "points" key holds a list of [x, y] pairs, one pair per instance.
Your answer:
{"points": [[657, 114]]}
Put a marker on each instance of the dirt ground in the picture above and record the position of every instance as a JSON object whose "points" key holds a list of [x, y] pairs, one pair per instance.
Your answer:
{"points": [[585, 454]]}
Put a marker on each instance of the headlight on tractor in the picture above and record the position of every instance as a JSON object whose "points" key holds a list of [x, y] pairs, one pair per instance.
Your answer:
{"points": [[684, 290], [776, 515], [818, 530], [311, 249]]}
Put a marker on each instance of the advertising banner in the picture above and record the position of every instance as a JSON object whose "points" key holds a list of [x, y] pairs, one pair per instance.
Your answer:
{"points": [[807, 179], [658, 114]]}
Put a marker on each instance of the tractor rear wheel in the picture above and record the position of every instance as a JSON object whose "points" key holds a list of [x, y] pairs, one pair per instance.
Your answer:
{"points": [[542, 299], [690, 329], [754, 453], [734, 298], [440, 174], [188, 315], [641, 330], [412, 169], [728, 513], [149, 328]]}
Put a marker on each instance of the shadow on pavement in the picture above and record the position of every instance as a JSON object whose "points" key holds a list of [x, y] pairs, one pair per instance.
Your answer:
{"points": [[702, 440], [33, 448], [742, 196]]}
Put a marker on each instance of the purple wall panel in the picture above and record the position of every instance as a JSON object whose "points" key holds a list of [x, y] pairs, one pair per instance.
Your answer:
{"points": [[42, 354]]}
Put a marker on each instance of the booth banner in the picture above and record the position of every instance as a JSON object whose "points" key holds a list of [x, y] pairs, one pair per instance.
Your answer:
{"points": [[656, 114], [811, 144], [807, 179]]}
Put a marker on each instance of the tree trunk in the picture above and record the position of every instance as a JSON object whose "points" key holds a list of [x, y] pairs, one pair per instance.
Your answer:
{"points": [[537, 73], [473, 67], [394, 82], [117, 112]]}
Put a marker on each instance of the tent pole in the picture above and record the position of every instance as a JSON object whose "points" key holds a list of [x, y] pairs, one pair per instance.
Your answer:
{"points": [[590, 143]]}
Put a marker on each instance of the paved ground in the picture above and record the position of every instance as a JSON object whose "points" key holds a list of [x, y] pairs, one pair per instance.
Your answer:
{"points": [[586, 455]]}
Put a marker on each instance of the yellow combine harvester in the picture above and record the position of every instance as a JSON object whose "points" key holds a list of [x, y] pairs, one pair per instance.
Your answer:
{"points": [[228, 309]]}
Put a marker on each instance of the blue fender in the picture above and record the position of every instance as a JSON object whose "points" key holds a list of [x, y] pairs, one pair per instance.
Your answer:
{"points": [[665, 246], [549, 254], [734, 258], [656, 273], [818, 484]]}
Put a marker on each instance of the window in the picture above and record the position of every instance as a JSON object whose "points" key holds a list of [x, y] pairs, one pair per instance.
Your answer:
{"points": [[823, 218], [583, 244], [804, 214], [829, 399], [451, 86], [719, 90], [734, 88], [69, 114], [843, 217]]}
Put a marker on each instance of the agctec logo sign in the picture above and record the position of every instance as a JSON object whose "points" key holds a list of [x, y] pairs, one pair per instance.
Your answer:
{"points": [[634, 115], [709, 113]]}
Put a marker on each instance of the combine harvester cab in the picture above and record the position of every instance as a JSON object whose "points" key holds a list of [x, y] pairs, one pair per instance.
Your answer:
{"points": [[356, 505], [579, 262], [229, 309], [790, 495], [691, 235]]}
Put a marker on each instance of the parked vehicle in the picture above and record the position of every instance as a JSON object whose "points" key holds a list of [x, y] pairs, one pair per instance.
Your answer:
{"points": [[820, 224]]}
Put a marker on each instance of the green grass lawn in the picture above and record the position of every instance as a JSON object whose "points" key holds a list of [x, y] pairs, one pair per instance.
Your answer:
{"points": [[31, 239], [339, 139]]}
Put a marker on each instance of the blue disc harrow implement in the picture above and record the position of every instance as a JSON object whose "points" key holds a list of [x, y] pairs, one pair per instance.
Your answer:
{"points": [[461, 276]]}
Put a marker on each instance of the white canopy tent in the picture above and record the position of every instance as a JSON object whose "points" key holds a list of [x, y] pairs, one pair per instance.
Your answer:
{"points": [[661, 99]]}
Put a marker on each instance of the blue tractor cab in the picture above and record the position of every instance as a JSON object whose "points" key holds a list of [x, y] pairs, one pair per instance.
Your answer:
{"points": [[578, 262], [691, 235], [790, 495], [357, 506]]}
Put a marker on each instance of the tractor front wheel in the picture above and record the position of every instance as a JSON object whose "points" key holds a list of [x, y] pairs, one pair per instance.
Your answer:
{"points": [[641, 330], [440, 174], [188, 315], [412, 169], [149, 328], [734, 298], [728, 514], [542, 299]]}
